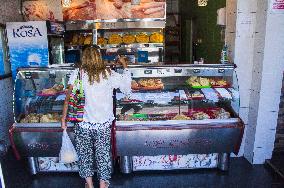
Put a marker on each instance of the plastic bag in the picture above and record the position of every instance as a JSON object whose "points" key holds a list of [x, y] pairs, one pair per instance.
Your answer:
{"points": [[67, 152]]}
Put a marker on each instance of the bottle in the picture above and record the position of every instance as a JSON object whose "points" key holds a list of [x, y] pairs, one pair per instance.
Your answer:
{"points": [[224, 55]]}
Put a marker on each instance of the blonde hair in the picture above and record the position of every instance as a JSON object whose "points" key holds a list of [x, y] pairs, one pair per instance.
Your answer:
{"points": [[93, 64]]}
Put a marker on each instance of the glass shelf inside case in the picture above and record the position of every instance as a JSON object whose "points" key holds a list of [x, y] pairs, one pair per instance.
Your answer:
{"points": [[40, 94], [172, 95]]}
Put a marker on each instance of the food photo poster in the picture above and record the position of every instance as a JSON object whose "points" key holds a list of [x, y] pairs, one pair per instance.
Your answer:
{"points": [[93, 9]]}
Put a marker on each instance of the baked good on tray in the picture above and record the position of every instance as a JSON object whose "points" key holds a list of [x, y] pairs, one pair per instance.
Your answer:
{"points": [[147, 84]]}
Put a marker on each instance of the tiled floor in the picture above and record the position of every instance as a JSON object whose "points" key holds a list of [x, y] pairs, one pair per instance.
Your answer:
{"points": [[241, 175], [277, 163]]}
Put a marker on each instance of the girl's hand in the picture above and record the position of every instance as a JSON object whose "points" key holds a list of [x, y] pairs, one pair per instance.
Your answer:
{"points": [[63, 124], [122, 61]]}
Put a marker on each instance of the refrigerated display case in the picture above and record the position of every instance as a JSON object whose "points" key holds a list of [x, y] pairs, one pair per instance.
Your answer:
{"points": [[39, 95], [178, 117]]}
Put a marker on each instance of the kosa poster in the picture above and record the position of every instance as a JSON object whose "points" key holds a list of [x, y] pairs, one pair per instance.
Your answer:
{"points": [[277, 6], [114, 9], [28, 44]]}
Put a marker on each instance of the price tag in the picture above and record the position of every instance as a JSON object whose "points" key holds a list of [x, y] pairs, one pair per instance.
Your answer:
{"points": [[147, 71], [110, 25], [28, 75], [196, 70]]}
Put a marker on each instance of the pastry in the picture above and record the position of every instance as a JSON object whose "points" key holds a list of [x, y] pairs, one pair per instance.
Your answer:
{"points": [[31, 118], [115, 39], [152, 82], [222, 114], [200, 115], [88, 40], [142, 38], [50, 91], [198, 81], [102, 41], [156, 38], [128, 39], [204, 81], [181, 117]]}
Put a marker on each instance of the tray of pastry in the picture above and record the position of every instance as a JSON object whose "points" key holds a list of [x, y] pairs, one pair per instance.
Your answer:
{"points": [[147, 84], [219, 83], [198, 82], [57, 89], [195, 95], [208, 113]]}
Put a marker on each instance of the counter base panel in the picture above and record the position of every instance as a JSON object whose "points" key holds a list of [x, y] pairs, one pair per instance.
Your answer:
{"points": [[129, 164], [50, 164], [178, 141]]}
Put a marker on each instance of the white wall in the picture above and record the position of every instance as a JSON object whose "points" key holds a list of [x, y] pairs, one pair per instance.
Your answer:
{"points": [[257, 51], [270, 87]]}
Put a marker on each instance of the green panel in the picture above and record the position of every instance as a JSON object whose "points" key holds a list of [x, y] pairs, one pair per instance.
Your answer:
{"points": [[206, 28]]}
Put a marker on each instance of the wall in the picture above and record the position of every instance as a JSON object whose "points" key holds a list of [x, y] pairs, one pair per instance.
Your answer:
{"points": [[206, 29], [9, 11], [271, 84], [258, 54]]}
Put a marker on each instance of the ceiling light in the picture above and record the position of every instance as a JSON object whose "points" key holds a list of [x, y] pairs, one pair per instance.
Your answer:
{"points": [[66, 3], [202, 3]]}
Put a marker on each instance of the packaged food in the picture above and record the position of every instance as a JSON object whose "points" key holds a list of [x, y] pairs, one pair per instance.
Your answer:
{"points": [[115, 39], [128, 39], [142, 38], [156, 37], [102, 41], [88, 40]]}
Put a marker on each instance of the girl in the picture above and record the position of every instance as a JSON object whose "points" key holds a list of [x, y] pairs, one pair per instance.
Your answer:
{"points": [[93, 135]]}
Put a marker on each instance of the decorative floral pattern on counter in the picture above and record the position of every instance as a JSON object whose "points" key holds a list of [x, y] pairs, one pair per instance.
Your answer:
{"points": [[167, 162], [52, 164]]}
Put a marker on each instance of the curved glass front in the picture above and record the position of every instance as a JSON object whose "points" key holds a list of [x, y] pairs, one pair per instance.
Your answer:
{"points": [[39, 95], [180, 93]]}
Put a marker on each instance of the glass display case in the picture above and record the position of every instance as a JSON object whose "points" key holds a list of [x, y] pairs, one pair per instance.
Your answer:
{"points": [[181, 110], [39, 96]]}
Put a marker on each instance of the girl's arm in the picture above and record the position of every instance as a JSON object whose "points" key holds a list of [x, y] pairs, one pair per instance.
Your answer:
{"points": [[65, 108]]}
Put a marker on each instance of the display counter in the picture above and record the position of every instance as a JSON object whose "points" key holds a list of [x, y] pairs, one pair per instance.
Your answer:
{"points": [[39, 95], [178, 117]]}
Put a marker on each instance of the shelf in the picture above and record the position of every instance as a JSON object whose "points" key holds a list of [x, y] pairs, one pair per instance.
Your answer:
{"points": [[134, 44]]}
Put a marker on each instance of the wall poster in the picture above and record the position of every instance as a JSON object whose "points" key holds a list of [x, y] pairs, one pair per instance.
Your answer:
{"points": [[277, 6], [28, 44], [93, 9]]}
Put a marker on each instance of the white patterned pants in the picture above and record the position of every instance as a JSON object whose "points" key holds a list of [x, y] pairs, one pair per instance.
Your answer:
{"points": [[93, 146]]}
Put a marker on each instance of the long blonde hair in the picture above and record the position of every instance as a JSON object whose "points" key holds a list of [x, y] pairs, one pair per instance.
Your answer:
{"points": [[93, 64]]}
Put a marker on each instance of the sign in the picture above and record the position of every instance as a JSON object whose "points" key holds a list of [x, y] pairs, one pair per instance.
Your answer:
{"points": [[28, 44], [108, 10], [277, 6]]}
